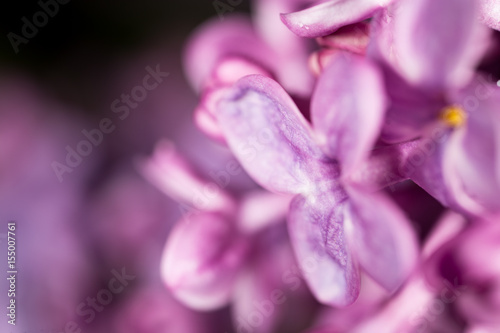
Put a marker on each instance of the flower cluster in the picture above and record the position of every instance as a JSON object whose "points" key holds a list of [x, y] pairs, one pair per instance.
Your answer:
{"points": [[338, 131]]}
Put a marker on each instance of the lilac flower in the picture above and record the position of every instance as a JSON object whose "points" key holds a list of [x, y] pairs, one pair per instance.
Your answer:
{"points": [[411, 309], [435, 94], [332, 223], [220, 53], [225, 250], [204, 251], [218, 239]]}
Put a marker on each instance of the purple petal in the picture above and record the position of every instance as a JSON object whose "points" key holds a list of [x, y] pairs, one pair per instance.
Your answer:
{"points": [[291, 51], [317, 235], [173, 175], [347, 113], [204, 117], [225, 74], [230, 69], [382, 167], [261, 209], [396, 316], [424, 166], [410, 110], [215, 40], [449, 225], [201, 261], [270, 137], [490, 13], [382, 238], [437, 43], [327, 17], [472, 155]]}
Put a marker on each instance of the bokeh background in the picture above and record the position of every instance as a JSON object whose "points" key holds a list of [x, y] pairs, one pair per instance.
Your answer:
{"points": [[103, 217]]}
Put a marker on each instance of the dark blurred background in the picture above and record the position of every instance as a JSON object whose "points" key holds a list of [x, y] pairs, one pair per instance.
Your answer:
{"points": [[78, 47]]}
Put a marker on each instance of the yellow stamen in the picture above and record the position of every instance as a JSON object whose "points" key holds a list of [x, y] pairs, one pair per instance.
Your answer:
{"points": [[453, 116]]}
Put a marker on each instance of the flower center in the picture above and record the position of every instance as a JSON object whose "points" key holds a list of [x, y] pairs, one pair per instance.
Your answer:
{"points": [[453, 116]]}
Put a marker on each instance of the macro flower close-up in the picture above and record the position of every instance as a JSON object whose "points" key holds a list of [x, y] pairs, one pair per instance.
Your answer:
{"points": [[250, 166]]}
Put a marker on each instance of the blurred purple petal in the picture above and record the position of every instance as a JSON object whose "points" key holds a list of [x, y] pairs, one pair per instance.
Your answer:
{"points": [[201, 260], [436, 42], [215, 40], [472, 155], [291, 51], [261, 209], [171, 173], [382, 167], [410, 109], [468, 265], [347, 109], [381, 237]]}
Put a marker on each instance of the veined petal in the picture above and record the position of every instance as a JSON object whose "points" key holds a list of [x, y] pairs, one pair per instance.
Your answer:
{"points": [[317, 234], [201, 260], [381, 237], [327, 17], [347, 109], [271, 139], [437, 44]]}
